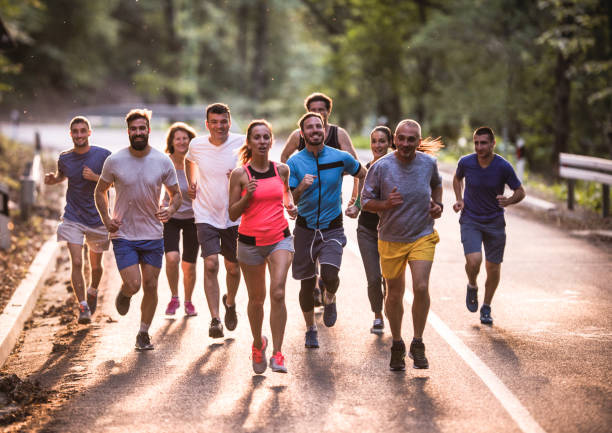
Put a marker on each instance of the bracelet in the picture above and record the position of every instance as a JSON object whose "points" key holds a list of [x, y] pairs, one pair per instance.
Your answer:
{"points": [[358, 202]]}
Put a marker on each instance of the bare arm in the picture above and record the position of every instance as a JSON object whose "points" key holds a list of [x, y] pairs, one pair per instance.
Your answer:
{"points": [[191, 175], [290, 146], [303, 186], [435, 208], [394, 199], [347, 145], [101, 199], [165, 213], [54, 178], [89, 174], [237, 203], [283, 170], [458, 188], [517, 196]]}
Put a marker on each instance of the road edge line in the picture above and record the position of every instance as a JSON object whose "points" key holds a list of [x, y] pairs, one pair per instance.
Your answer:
{"points": [[22, 303], [500, 391]]}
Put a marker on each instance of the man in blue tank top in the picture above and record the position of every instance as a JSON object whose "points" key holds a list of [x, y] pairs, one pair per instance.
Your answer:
{"points": [[81, 165], [482, 215], [316, 185]]}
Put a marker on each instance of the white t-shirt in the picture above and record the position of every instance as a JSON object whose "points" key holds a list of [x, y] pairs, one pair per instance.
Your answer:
{"points": [[214, 163], [138, 184]]}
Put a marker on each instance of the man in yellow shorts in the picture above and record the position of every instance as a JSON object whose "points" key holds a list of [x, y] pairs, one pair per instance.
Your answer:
{"points": [[405, 189]]}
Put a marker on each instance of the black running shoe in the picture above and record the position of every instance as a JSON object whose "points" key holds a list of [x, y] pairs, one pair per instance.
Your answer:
{"points": [[398, 354], [143, 342], [231, 319], [417, 353], [485, 315], [122, 303], [471, 299], [216, 329]]}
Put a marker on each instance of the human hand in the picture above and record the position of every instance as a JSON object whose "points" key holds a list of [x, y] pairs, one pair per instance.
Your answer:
{"points": [[191, 191], [307, 181], [113, 225], [352, 211], [251, 187], [458, 206], [435, 210], [503, 201], [89, 174], [49, 178], [292, 211], [394, 199], [163, 214]]}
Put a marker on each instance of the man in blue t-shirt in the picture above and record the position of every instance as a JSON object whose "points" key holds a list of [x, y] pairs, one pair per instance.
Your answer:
{"points": [[82, 165], [482, 214], [316, 184]]}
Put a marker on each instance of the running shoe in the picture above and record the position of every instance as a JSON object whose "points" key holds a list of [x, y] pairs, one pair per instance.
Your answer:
{"points": [[173, 306], [398, 355], [312, 341], [260, 363], [216, 329], [231, 319], [92, 301], [84, 314], [190, 309], [417, 353], [330, 314], [122, 303], [143, 342], [378, 327], [277, 363], [485, 315], [471, 299]]}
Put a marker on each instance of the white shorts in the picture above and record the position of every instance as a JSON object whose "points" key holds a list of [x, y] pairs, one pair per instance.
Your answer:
{"points": [[74, 232]]}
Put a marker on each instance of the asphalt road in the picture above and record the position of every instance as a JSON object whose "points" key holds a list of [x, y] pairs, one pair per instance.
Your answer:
{"points": [[543, 366]]}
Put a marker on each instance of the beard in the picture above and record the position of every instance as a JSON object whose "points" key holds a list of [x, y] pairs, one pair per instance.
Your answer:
{"points": [[314, 141], [80, 144], [139, 144]]}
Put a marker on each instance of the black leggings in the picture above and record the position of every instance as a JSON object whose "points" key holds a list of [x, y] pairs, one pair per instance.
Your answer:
{"points": [[329, 275]]}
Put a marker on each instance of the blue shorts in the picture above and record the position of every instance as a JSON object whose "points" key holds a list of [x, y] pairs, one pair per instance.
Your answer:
{"points": [[128, 253], [491, 234]]}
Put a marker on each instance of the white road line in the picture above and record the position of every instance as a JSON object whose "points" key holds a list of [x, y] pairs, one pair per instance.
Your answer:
{"points": [[513, 406]]}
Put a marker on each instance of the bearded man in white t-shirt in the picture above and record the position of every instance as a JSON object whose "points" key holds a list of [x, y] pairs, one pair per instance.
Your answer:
{"points": [[208, 165]]}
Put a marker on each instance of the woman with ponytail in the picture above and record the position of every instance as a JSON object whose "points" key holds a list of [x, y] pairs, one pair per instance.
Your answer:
{"points": [[259, 192]]}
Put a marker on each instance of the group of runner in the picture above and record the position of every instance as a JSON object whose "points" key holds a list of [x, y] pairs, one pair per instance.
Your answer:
{"points": [[226, 197]]}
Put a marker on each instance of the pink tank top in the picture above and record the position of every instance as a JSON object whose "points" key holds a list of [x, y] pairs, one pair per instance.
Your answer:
{"points": [[263, 222]]}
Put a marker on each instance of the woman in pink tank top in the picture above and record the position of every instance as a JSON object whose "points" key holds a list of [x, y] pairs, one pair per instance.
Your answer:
{"points": [[259, 193]]}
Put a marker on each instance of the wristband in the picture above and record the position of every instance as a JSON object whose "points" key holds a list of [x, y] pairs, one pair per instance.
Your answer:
{"points": [[358, 202]]}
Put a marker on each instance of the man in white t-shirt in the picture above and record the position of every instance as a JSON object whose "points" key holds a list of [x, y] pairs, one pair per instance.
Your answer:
{"points": [[136, 225], [208, 165]]}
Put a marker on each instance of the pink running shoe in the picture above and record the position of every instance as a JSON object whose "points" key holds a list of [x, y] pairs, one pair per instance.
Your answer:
{"points": [[260, 363], [172, 306], [277, 363], [190, 309]]}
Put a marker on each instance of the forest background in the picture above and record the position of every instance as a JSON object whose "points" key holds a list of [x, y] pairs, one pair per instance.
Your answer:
{"points": [[536, 69]]}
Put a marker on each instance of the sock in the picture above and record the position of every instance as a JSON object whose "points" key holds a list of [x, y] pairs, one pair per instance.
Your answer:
{"points": [[92, 291], [312, 328], [144, 327], [417, 340], [175, 297], [83, 303], [472, 287]]}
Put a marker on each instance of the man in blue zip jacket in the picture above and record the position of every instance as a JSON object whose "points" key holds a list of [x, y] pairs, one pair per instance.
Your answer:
{"points": [[316, 184]]}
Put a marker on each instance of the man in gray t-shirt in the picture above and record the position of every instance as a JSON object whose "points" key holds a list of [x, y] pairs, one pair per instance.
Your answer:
{"points": [[405, 189], [136, 226]]}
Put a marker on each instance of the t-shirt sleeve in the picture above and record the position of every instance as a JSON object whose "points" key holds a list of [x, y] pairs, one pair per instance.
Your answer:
{"points": [[460, 172], [60, 166], [169, 178], [436, 179], [371, 187], [293, 179], [512, 179], [351, 165], [107, 174]]}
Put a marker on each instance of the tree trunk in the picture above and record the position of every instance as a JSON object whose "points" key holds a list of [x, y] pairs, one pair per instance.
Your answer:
{"points": [[562, 114], [259, 71], [242, 18]]}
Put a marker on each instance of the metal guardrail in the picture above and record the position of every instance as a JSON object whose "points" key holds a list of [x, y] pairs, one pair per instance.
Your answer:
{"points": [[32, 181], [587, 168]]}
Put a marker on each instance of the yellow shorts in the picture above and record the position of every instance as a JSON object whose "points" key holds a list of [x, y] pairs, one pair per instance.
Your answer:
{"points": [[395, 255]]}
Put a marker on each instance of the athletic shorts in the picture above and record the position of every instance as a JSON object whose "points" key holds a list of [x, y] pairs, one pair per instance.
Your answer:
{"points": [[172, 235], [395, 255], [74, 232], [312, 246], [218, 241], [256, 255], [491, 234], [128, 253]]}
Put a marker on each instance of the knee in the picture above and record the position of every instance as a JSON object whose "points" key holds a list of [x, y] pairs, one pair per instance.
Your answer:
{"points": [[172, 259], [130, 288], [233, 269], [421, 289], [77, 263], [473, 262], [277, 295], [211, 266], [149, 285]]}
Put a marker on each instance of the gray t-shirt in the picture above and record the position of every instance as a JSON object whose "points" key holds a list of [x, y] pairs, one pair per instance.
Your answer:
{"points": [[138, 183], [184, 212], [414, 181]]}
